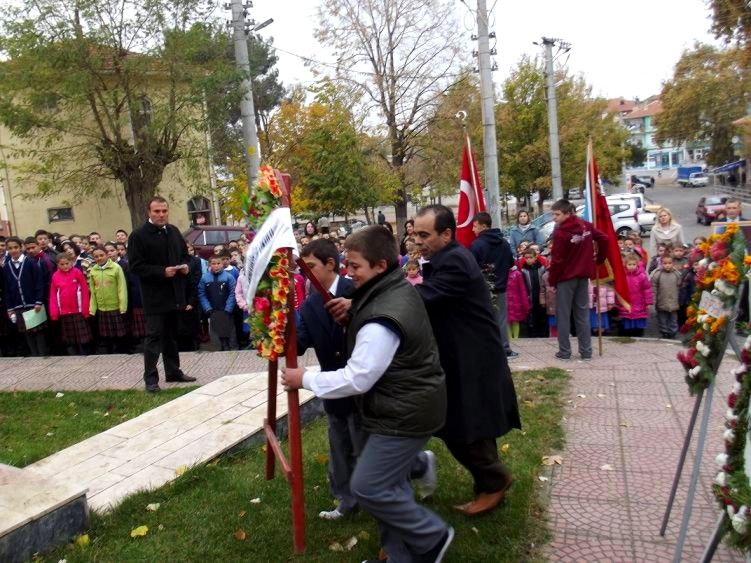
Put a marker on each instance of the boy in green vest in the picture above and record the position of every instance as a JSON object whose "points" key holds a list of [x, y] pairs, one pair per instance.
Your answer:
{"points": [[395, 374]]}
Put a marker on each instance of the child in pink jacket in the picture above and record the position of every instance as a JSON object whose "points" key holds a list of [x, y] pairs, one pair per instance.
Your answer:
{"points": [[607, 302], [517, 300], [69, 303], [634, 322]]}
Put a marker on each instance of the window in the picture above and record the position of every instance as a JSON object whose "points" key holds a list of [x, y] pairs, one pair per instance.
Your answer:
{"points": [[199, 211], [59, 214], [216, 237]]}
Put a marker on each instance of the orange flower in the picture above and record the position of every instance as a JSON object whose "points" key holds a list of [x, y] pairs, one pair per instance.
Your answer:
{"points": [[717, 325]]}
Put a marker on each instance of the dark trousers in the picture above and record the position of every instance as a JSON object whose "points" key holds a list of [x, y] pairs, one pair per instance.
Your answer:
{"points": [[161, 338], [481, 460]]}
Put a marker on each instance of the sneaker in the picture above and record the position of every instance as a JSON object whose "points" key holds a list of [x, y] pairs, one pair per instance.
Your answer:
{"points": [[512, 354], [331, 514], [562, 356], [437, 554], [428, 482], [586, 358]]}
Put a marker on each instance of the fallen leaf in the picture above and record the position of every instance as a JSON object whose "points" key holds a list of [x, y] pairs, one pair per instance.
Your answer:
{"points": [[160, 527], [255, 501], [552, 460], [351, 543], [607, 467], [505, 448], [363, 535], [625, 424], [58, 395], [529, 404], [139, 532], [316, 487], [62, 561], [600, 395], [153, 507], [240, 535], [569, 402], [181, 470], [83, 541], [263, 448], [243, 513], [336, 546], [543, 478], [322, 459], [475, 530], [582, 396], [71, 405], [106, 414], [524, 433], [50, 433], [668, 406]]}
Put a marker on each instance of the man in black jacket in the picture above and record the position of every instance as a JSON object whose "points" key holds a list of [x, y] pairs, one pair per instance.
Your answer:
{"points": [[158, 256], [494, 256]]}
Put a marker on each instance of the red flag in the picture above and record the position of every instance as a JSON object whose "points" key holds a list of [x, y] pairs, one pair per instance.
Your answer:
{"points": [[471, 200], [612, 269]]}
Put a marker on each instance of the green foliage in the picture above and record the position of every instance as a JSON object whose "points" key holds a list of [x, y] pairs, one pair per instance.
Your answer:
{"points": [[637, 155], [523, 132], [708, 91], [97, 90]]}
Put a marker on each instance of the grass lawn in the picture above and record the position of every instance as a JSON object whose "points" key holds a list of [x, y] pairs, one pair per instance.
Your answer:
{"points": [[35, 424], [208, 514]]}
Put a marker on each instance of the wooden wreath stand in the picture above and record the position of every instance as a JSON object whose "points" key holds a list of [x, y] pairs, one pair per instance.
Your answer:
{"points": [[292, 469]]}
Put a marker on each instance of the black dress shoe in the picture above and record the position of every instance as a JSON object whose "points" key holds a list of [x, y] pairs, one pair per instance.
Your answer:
{"points": [[181, 378], [153, 388]]}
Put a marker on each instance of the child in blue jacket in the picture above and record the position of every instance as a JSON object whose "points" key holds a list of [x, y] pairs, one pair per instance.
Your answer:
{"points": [[216, 293]]}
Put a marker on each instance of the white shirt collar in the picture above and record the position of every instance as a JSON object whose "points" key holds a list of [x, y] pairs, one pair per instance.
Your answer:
{"points": [[20, 259], [334, 286]]}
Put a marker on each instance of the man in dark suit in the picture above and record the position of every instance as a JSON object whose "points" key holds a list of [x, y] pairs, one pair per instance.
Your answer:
{"points": [[317, 329], [482, 402], [158, 256]]}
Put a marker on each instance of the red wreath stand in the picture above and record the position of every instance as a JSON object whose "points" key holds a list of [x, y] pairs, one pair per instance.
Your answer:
{"points": [[292, 470]]}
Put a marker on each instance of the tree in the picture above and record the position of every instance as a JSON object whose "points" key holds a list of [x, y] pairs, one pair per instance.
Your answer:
{"points": [[708, 91], [109, 89], [523, 132], [399, 53], [637, 155], [731, 20], [439, 157]]}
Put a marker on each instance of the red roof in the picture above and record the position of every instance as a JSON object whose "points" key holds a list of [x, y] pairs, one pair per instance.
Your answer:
{"points": [[651, 108], [620, 105]]}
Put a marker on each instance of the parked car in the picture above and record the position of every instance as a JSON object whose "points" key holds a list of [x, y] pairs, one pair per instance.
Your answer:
{"points": [[205, 237], [711, 208], [645, 218], [698, 180], [645, 180], [347, 227], [623, 213]]}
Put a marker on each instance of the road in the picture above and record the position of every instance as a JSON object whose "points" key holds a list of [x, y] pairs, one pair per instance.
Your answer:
{"points": [[682, 204]]}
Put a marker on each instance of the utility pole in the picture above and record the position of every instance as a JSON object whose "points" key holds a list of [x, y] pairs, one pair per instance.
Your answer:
{"points": [[555, 155], [490, 149], [247, 113]]}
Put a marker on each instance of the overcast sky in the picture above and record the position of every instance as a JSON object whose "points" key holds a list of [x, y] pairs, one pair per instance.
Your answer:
{"points": [[623, 48]]}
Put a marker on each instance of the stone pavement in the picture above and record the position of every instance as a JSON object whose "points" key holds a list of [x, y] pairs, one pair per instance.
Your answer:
{"points": [[628, 410]]}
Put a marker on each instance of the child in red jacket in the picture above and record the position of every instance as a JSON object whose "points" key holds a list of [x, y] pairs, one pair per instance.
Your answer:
{"points": [[69, 303], [517, 301]]}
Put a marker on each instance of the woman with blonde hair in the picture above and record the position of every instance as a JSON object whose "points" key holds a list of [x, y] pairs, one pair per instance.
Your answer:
{"points": [[665, 230]]}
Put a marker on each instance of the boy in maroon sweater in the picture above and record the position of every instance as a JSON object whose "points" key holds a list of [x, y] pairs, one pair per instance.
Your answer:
{"points": [[576, 247]]}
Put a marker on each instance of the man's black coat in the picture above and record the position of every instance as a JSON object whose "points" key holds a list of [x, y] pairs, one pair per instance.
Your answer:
{"points": [[316, 328], [150, 250], [481, 396], [491, 250]]}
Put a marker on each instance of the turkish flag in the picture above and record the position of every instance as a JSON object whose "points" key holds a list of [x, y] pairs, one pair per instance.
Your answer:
{"points": [[471, 200]]}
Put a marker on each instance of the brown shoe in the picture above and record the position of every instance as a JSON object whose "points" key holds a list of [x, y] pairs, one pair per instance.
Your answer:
{"points": [[484, 502]]}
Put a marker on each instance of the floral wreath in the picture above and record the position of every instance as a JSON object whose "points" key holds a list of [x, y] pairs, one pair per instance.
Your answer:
{"points": [[268, 318], [731, 485], [722, 266]]}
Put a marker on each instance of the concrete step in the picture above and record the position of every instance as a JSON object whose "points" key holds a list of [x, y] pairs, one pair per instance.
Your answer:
{"points": [[38, 512]]}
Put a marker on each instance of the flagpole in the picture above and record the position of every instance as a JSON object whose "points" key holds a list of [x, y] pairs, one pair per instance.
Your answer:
{"points": [[594, 195]]}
